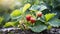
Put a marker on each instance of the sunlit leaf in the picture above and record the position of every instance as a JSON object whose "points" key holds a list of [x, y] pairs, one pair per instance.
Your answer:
{"points": [[9, 24], [16, 13], [26, 6], [1, 19], [49, 16]]}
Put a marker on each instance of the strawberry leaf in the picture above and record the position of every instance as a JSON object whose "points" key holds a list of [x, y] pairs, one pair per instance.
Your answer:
{"points": [[49, 16], [38, 28], [54, 22]]}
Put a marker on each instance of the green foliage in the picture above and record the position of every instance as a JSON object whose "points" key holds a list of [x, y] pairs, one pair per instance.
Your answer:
{"points": [[16, 13], [1, 19], [26, 6], [8, 24], [38, 28], [54, 22], [50, 15], [6, 17], [38, 7]]}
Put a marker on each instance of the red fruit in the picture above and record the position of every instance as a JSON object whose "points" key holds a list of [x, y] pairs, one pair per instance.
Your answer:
{"points": [[39, 14], [28, 17], [32, 20]]}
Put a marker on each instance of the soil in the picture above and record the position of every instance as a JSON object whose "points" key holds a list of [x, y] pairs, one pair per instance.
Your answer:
{"points": [[19, 31]]}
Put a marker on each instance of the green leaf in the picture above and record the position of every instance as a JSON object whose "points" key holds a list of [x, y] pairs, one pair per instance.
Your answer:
{"points": [[38, 7], [42, 7], [42, 19], [6, 17], [38, 28], [15, 14], [26, 6], [18, 17], [1, 19], [34, 7], [8, 24], [49, 16], [54, 22]]}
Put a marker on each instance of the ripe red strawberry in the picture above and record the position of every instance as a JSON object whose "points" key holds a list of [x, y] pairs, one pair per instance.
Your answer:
{"points": [[32, 20], [28, 17], [39, 14]]}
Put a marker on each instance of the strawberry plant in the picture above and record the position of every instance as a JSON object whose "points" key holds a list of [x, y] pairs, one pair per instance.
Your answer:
{"points": [[36, 15]]}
